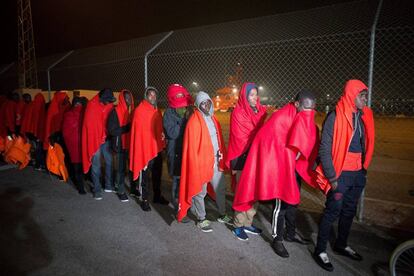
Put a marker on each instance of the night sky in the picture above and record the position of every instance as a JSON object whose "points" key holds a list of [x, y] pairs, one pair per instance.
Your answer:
{"points": [[61, 25]]}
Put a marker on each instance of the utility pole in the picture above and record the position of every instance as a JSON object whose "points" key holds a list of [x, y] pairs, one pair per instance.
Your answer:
{"points": [[26, 60]]}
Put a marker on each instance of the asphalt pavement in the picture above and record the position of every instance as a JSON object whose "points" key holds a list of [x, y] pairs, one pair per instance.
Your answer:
{"points": [[47, 228]]}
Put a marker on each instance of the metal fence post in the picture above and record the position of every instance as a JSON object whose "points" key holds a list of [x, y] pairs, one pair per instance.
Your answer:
{"points": [[149, 52], [370, 76], [50, 67]]}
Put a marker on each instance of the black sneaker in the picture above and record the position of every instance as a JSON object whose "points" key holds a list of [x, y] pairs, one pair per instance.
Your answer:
{"points": [[323, 261], [123, 197], [348, 252], [82, 192], [297, 239], [280, 249], [145, 206], [160, 200]]}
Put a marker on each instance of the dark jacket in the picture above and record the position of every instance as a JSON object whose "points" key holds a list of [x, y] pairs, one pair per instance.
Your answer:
{"points": [[174, 127], [115, 131], [325, 150]]}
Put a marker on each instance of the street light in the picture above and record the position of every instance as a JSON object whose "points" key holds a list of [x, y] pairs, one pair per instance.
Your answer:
{"points": [[195, 83], [260, 87]]}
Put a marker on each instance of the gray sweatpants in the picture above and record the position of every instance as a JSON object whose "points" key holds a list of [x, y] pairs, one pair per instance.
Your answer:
{"points": [[217, 182]]}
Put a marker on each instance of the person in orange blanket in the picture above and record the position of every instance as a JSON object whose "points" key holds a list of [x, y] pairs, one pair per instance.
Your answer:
{"points": [[119, 126], [246, 119], [94, 140], [202, 163], [54, 117], [33, 126], [285, 146], [345, 153], [147, 143], [72, 135]]}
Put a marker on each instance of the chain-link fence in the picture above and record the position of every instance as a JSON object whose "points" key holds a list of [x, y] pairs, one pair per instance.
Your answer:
{"points": [[317, 49]]}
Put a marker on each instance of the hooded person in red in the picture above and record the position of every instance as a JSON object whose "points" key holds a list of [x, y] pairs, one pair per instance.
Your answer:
{"points": [[33, 126], [203, 162], [119, 126], [94, 140], [286, 139], [54, 117], [147, 143], [346, 150], [246, 119], [72, 135]]}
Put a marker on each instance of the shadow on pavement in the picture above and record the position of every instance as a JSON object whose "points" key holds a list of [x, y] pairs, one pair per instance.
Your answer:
{"points": [[23, 247]]}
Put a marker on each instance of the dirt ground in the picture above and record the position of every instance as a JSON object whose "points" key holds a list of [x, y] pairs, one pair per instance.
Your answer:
{"points": [[387, 201]]}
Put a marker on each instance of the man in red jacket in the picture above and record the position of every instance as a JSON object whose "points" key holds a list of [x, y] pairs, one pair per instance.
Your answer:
{"points": [[72, 134]]}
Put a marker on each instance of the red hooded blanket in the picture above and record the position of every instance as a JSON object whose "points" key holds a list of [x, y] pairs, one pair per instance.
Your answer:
{"points": [[34, 117], [93, 129], [269, 171], [124, 116], [58, 106], [343, 131], [147, 137]]}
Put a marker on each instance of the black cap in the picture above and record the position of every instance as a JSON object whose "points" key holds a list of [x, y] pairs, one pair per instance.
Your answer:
{"points": [[106, 95]]}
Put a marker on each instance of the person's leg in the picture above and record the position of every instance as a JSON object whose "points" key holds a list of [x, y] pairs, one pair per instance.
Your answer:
{"points": [[40, 156], [198, 207], [77, 168], [290, 219], [156, 173], [278, 220], [333, 206], [349, 208], [219, 186], [107, 154], [96, 174], [175, 189], [121, 171]]}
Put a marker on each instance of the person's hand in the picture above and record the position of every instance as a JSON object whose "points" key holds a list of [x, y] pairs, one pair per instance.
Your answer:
{"points": [[233, 172], [334, 185]]}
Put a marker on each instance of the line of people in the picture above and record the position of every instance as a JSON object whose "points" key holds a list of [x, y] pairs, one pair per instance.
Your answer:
{"points": [[268, 157]]}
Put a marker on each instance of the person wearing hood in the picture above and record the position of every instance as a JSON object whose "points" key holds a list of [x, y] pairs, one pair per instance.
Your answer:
{"points": [[147, 144], [284, 147], [202, 164], [54, 117], [11, 114], [346, 150], [174, 122], [72, 135], [95, 143], [119, 126], [246, 119]]}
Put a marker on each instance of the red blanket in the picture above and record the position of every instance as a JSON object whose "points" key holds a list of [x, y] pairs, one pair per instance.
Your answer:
{"points": [[72, 132], [343, 130], [34, 117], [54, 116], [147, 137], [93, 129], [269, 171], [244, 124], [197, 165], [124, 116]]}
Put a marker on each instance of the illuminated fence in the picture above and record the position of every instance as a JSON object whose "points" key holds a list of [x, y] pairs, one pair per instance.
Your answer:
{"points": [[317, 49]]}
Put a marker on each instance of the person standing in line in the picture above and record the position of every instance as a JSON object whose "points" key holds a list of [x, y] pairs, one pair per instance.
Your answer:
{"points": [[346, 150]]}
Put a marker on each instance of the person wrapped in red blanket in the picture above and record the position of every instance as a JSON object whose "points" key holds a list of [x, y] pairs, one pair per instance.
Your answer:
{"points": [[285, 146], [246, 119], [346, 150], [202, 163], [147, 143]]}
